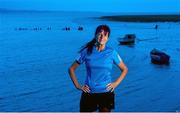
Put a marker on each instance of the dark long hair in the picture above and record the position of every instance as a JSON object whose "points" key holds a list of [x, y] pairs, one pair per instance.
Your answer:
{"points": [[91, 43]]}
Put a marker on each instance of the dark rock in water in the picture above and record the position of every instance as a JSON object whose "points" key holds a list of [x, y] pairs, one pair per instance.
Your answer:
{"points": [[80, 28], [66, 29], [21, 29], [49, 28], [37, 29], [159, 57]]}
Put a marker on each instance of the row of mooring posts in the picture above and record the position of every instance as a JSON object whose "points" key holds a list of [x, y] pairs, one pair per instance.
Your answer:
{"points": [[80, 28]]}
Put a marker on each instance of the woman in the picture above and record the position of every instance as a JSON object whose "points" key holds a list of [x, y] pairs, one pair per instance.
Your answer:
{"points": [[98, 89]]}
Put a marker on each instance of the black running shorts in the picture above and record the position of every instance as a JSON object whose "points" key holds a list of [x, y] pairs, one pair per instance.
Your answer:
{"points": [[93, 101]]}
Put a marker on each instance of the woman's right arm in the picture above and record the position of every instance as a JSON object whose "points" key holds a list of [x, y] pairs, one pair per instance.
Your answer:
{"points": [[72, 74]]}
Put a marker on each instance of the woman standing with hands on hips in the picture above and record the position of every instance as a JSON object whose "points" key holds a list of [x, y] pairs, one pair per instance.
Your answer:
{"points": [[98, 89]]}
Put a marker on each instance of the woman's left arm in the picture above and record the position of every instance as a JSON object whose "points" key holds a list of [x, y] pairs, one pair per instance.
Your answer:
{"points": [[113, 85]]}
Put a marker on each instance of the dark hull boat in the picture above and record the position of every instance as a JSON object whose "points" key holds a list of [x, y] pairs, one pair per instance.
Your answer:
{"points": [[128, 39], [159, 57]]}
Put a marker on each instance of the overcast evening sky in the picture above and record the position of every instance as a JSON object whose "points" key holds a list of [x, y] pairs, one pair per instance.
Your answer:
{"points": [[142, 6]]}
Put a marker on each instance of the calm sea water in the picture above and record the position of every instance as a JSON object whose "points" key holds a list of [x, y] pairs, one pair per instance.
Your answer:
{"points": [[34, 62]]}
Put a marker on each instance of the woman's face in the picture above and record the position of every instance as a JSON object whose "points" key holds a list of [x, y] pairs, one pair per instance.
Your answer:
{"points": [[102, 37]]}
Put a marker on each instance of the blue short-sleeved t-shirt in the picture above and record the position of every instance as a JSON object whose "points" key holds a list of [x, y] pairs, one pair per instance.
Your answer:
{"points": [[99, 66]]}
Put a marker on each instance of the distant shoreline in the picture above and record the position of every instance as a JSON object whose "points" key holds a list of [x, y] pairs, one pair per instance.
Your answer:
{"points": [[143, 18]]}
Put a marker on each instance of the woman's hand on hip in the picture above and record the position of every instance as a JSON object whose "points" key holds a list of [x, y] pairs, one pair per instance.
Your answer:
{"points": [[111, 86], [85, 88]]}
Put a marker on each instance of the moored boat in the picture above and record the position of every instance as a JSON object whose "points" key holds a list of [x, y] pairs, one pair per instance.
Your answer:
{"points": [[159, 57], [127, 39]]}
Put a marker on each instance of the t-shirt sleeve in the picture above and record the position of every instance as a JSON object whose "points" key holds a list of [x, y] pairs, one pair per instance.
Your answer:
{"points": [[116, 58], [81, 57]]}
